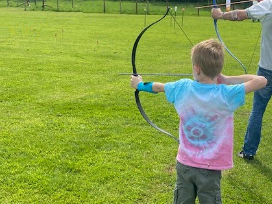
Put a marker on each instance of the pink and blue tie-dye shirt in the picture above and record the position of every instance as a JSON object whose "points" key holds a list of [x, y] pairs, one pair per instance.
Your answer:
{"points": [[206, 121]]}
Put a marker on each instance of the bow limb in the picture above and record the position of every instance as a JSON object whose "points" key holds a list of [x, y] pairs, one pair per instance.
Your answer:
{"points": [[221, 40], [137, 98], [133, 55]]}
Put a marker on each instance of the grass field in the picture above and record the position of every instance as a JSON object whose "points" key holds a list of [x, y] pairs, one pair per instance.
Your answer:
{"points": [[70, 129]]}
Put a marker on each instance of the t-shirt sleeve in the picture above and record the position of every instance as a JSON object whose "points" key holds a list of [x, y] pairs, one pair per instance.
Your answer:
{"points": [[175, 89], [236, 96], [259, 10]]}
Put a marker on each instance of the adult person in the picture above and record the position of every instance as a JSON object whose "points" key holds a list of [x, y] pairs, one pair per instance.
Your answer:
{"points": [[205, 107], [261, 11]]}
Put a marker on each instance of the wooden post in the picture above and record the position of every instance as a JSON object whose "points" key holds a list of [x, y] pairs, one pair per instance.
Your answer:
{"points": [[121, 7], [183, 9], [147, 6], [136, 9], [104, 6]]}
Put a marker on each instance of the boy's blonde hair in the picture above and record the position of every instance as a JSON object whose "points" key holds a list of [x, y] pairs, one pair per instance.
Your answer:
{"points": [[209, 56]]}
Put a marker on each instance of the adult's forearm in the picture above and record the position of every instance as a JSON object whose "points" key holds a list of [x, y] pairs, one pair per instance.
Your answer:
{"points": [[235, 15]]}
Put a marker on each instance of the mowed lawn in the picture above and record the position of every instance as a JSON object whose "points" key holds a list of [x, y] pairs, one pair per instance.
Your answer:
{"points": [[70, 131]]}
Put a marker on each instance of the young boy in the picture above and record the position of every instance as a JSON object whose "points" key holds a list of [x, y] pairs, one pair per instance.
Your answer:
{"points": [[205, 107]]}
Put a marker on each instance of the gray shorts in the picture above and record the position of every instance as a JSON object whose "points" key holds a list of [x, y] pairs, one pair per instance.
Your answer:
{"points": [[195, 182]]}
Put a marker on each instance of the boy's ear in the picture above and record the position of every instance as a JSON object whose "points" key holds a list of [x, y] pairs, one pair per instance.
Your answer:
{"points": [[197, 69]]}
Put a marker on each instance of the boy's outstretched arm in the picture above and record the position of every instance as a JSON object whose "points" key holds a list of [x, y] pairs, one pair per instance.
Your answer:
{"points": [[152, 87], [252, 82]]}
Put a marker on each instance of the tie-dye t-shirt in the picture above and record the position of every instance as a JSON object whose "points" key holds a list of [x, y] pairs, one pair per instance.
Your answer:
{"points": [[206, 121]]}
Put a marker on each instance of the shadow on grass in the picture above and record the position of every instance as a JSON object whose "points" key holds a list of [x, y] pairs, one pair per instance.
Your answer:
{"points": [[247, 185], [262, 168]]}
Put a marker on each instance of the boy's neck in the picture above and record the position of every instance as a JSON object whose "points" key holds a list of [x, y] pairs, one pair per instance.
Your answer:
{"points": [[206, 80], [202, 78]]}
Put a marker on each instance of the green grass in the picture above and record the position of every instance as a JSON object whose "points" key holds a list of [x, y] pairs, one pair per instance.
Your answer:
{"points": [[70, 129]]}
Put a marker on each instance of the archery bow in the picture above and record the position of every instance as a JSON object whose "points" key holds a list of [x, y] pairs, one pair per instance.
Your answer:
{"points": [[221, 40], [137, 98]]}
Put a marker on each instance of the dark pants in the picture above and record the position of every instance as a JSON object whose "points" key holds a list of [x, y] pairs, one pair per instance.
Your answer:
{"points": [[195, 182]]}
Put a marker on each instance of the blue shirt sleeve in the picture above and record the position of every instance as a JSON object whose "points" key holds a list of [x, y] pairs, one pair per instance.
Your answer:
{"points": [[176, 90], [235, 95]]}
